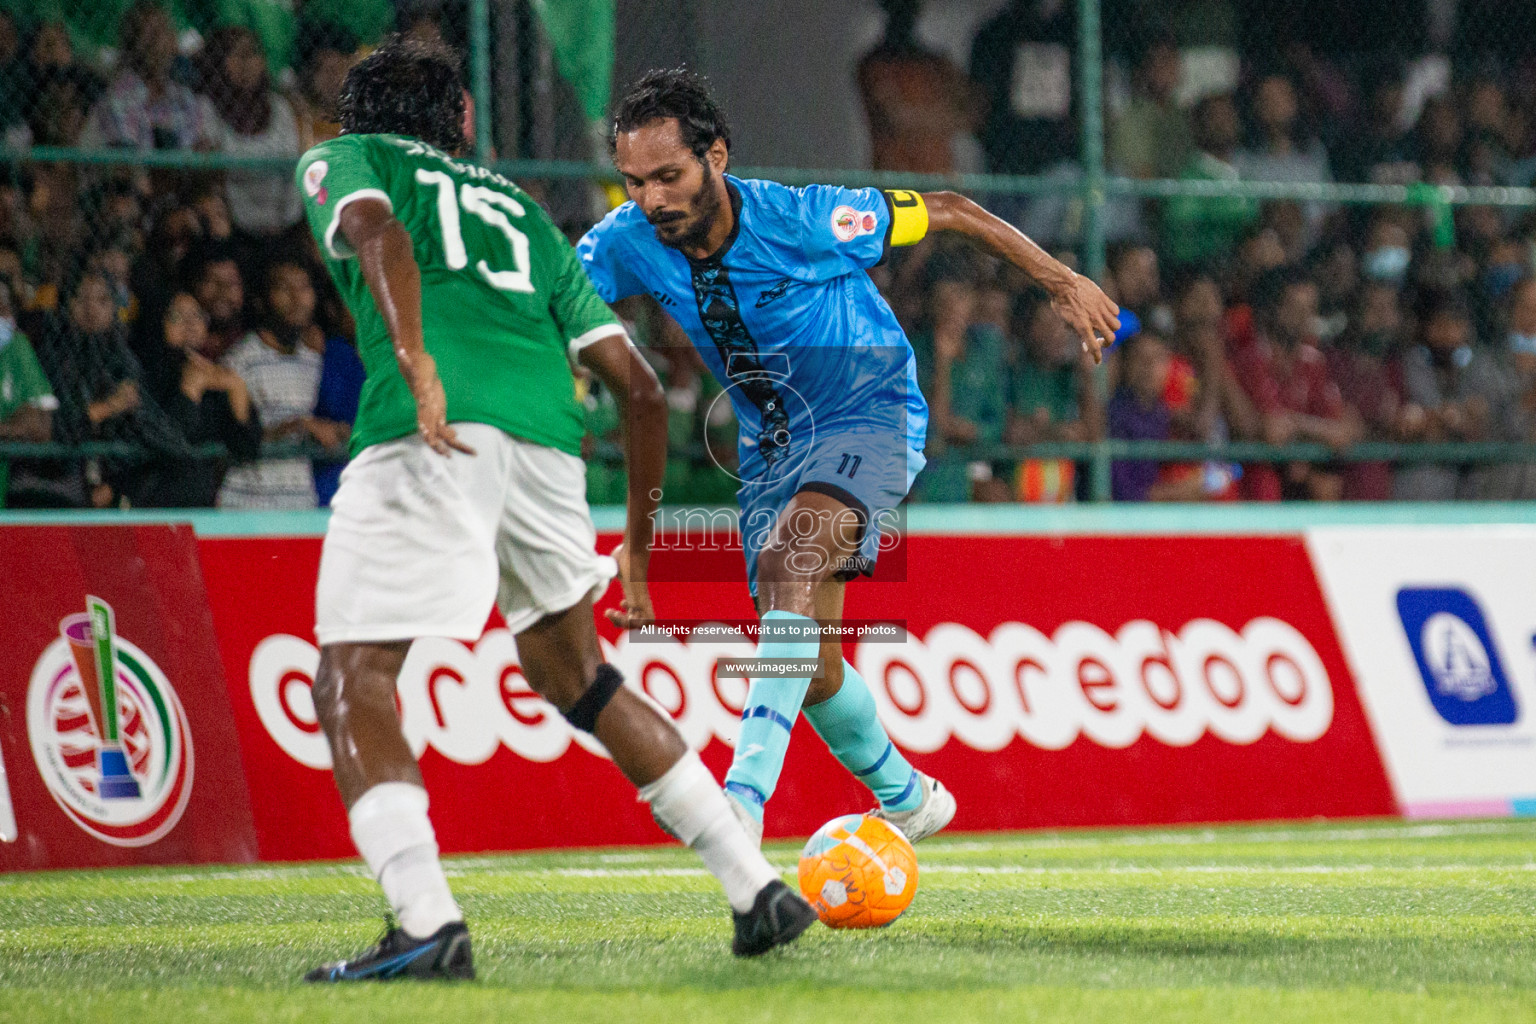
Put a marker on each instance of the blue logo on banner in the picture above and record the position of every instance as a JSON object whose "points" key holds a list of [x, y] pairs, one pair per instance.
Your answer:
{"points": [[1457, 657]]}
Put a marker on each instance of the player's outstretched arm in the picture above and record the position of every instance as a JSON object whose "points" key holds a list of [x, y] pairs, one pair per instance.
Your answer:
{"points": [[1081, 303], [643, 413], [388, 261]]}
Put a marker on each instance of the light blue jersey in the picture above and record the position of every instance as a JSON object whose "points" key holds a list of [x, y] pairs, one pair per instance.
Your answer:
{"points": [[784, 312], [788, 321]]}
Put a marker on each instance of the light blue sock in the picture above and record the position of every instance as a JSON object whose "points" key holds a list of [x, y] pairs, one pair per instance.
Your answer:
{"points": [[773, 704], [850, 725]]}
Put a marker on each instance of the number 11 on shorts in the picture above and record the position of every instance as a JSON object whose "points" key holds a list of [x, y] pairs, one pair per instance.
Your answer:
{"points": [[7, 814]]}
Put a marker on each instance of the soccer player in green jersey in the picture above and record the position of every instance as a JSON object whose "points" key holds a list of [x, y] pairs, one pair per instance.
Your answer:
{"points": [[466, 487]]}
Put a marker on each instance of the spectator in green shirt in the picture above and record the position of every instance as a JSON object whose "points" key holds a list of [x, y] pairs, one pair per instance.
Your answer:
{"points": [[701, 434], [606, 482], [1150, 138], [1048, 385], [1203, 230], [960, 366], [1051, 398], [26, 399]]}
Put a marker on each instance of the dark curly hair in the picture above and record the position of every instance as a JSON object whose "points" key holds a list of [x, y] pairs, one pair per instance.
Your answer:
{"points": [[678, 93], [405, 87]]}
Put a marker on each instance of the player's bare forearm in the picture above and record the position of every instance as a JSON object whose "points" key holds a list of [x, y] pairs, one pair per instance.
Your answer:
{"points": [[950, 211], [387, 258], [388, 261], [1079, 301], [643, 413]]}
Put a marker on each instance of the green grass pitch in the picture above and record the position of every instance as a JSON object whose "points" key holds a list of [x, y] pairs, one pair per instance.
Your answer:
{"points": [[1354, 922]]}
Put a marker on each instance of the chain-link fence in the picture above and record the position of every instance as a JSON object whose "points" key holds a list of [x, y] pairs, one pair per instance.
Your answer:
{"points": [[1254, 180]]}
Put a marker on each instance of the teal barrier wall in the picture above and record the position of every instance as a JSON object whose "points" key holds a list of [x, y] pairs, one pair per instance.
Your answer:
{"points": [[922, 519]]}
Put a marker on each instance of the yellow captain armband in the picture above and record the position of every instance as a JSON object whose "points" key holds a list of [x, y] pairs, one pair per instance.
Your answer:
{"points": [[615, 195], [909, 216]]}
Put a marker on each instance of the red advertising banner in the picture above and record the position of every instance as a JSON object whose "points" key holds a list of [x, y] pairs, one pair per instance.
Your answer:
{"points": [[115, 728], [1048, 681]]}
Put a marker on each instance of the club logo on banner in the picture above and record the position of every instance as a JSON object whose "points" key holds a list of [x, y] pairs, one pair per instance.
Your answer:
{"points": [[109, 735], [1456, 655]]}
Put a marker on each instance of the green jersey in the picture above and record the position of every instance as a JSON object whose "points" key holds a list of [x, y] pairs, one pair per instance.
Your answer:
{"points": [[22, 383], [505, 303]]}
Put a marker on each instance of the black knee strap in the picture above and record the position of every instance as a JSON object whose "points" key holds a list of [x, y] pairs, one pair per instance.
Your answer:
{"points": [[583, 714]]}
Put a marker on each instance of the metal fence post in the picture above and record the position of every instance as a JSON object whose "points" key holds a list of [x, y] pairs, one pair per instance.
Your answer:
{"points": [[1090, 89], [480, 75]]}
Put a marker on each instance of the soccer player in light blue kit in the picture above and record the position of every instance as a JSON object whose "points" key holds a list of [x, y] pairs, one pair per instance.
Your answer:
{"points": [[769, 283]]}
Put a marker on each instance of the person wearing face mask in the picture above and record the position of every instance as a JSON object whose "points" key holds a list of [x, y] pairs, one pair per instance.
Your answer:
{"points": [[1508, 261], [1387, 252], [1366, 361], [26, 399], [1455, 391]]}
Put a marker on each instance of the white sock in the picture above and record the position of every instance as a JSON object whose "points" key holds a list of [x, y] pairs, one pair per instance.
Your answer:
{"points": [[690, 805], [394, 835]]}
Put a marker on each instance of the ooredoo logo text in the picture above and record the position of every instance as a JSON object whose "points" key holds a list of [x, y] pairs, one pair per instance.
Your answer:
{"points": [[986, 691]]}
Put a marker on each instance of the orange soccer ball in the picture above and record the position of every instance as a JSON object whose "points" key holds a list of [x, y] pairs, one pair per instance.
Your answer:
{"points": [[858, 871]]}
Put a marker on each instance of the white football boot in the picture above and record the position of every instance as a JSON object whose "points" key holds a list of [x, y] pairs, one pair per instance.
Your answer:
{"points": [[928, 817]]}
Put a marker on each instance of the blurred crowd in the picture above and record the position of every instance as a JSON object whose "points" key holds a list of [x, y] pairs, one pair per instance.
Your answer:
{"points": [[177, 310], [187, 315], [169, 309], [1331, 349], [1261, 321]]}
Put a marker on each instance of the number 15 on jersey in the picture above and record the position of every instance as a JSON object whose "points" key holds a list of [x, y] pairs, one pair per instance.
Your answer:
{"points": [[492, 207]]}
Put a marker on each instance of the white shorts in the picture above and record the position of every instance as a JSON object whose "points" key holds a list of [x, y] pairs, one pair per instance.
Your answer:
{"points": [[420, 545]]}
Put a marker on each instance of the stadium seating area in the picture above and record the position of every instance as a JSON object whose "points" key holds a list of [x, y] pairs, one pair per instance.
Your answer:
{"points": [[158, 315]]}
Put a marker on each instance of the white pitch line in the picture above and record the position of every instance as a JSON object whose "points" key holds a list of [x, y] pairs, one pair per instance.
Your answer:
{"points": [[296, 871], [1020, 869], [1210, 836], [1214, 869], [607, 872], [457, 871], [461, 867]]}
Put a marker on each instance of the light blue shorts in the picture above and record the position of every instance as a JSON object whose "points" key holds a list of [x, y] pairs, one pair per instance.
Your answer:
{"points": [[869, 472]]}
